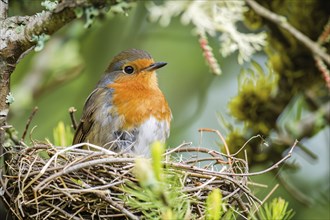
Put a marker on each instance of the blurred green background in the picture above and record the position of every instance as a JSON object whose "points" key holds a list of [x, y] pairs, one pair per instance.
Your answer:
{"points": [[67, 69]]}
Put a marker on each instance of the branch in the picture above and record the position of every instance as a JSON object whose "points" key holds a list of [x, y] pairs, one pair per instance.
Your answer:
{"points": [[282, 22], [123, 210], [27, 125], [72, 110], [319, 62], [226, 174], [76, 167], [222, 139], [19, 30], [4, 87], [3, 9]]}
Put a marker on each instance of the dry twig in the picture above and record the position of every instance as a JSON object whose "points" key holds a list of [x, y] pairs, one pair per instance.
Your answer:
{"points": [[319, 62], [34, 111], [72, 110]]}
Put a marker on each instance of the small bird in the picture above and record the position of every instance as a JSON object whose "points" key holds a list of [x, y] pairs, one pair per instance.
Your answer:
{"points": [[127, 111]]}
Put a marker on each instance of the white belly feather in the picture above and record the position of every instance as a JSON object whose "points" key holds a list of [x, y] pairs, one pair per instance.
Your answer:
{"points": [[150, 131]]}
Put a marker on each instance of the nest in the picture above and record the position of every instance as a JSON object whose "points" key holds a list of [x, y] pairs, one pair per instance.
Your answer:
{"points": [[75, 183]]}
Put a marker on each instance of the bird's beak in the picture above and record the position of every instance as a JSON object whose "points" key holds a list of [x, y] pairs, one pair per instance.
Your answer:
{"points": [[155, 66]]}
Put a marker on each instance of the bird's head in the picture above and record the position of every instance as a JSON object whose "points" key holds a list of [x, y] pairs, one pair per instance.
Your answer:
{"points": [[132, 66]]}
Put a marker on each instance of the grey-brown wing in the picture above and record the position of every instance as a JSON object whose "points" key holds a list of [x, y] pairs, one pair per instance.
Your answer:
{"points": [[87, 119]]}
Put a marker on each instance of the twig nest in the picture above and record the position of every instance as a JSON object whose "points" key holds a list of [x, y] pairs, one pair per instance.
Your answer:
{"points": [[47, 182]]}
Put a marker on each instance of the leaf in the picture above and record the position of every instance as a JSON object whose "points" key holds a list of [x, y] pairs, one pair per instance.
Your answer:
{"points": [[213, 205], [157, 151], [277, 209], [62, 135]]}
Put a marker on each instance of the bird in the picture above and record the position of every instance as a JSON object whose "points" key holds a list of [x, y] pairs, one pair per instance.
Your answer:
{"points": [[127, 111]]}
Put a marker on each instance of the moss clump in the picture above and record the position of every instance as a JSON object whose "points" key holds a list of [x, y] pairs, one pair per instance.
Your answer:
{"points": [[256, 101], [263, 98]]}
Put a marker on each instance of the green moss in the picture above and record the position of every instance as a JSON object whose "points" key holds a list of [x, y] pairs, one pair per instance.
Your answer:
{"points": [[252, 20], [254, 102], [262, 97]]}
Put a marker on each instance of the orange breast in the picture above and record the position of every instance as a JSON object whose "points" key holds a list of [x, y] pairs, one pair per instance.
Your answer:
{"points": [[137, 97]]}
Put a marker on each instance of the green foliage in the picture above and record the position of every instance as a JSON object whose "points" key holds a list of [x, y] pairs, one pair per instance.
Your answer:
{"points": [[159, 193], [214, 205], [157, 199], [276, 209], [156, 196], [62, 135]]}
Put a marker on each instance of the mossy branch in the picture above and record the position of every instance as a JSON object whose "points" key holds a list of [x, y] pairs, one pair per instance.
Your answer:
{"points": [[281, 22]]}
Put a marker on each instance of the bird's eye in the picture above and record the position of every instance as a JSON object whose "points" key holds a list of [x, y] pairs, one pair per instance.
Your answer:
{"points": [[128, 69]]}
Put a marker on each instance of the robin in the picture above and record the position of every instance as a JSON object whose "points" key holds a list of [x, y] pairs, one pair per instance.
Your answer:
{"points": [[127, 111]]}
